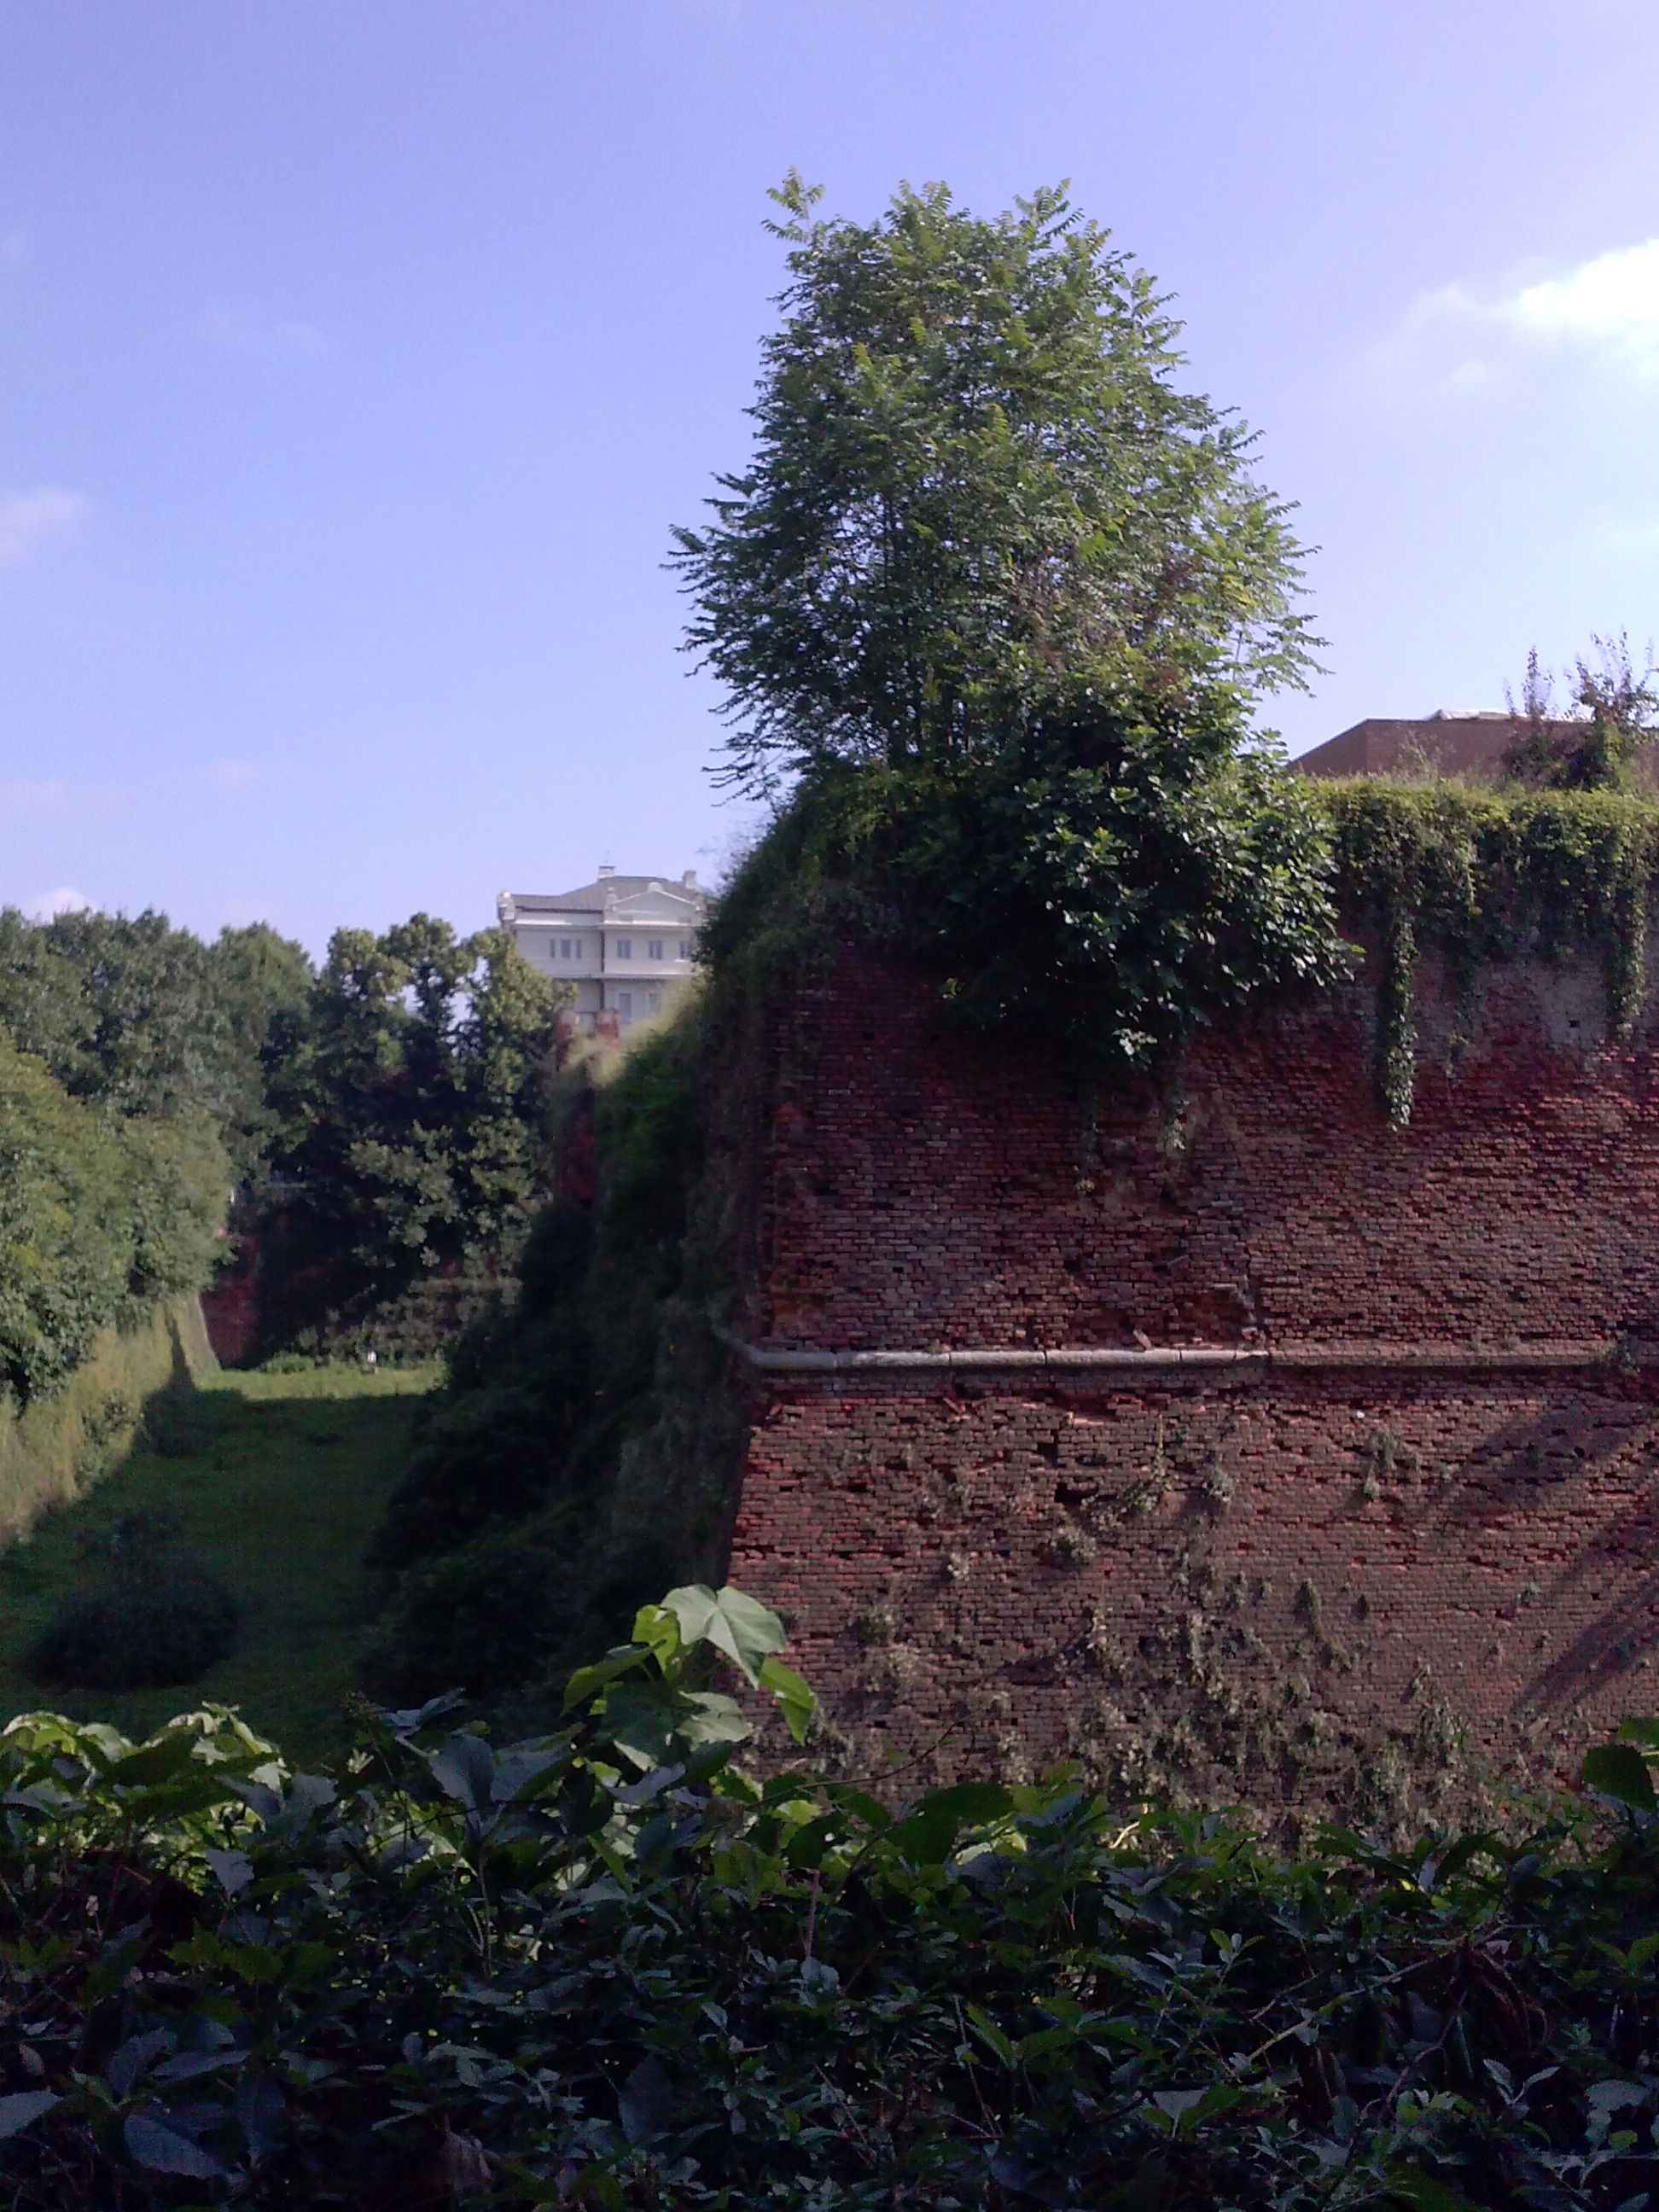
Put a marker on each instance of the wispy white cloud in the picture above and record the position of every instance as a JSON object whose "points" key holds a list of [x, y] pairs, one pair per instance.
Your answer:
{"points": [[1473, 339], [1614, 535], [30, 520], [1607, 307], [235, 326], [63, 900]]}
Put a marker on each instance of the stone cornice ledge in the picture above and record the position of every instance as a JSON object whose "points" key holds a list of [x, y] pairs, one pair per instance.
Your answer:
{"points": [[1423, 1358]]}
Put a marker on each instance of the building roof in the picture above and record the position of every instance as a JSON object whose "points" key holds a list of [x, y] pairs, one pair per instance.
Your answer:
{"points": [[1471, 745], [1456, 744], [623, 894]]}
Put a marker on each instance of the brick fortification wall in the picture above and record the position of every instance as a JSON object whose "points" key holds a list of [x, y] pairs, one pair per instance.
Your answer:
{"points": [[1364, 1501]]}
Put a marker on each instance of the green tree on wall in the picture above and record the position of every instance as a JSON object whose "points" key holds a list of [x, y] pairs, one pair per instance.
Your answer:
{"points": [[994, 599], [976, 496]]}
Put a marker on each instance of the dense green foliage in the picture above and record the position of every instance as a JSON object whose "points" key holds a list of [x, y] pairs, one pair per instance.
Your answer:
{"points": [[1107, 886], [1477, 876], [996, 598], [411, 1092], [604, 1967], [101, 1218], [397, 1098], [147, 1020], [131, 1098], [977, 500], [503, 1555]]}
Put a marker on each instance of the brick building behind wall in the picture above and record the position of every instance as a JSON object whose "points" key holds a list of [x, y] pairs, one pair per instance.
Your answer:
{"points": [[1240, 1443]]}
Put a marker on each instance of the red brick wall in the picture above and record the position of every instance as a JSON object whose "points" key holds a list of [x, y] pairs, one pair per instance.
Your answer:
{"points": [[925, 1191], [1309, 1586], [230, 1305]]}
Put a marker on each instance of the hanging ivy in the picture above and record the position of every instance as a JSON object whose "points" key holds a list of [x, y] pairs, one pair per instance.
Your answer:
{"points": [[1483, 876]]}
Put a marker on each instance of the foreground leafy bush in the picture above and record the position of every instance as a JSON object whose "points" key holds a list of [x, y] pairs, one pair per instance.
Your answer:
{"points": [[605, 1968]]}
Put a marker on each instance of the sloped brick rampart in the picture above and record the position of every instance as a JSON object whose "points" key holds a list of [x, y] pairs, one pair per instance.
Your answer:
{"points": [[1297, 1579]]}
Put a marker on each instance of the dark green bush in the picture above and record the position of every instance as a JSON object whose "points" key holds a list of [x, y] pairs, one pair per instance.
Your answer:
{"points": [[516, 1602], [149, 1617], [501, 1562], [487, 1456]]}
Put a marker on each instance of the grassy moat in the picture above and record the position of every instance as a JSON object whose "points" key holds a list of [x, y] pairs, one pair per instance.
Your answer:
{"points": [[275, 1483]]}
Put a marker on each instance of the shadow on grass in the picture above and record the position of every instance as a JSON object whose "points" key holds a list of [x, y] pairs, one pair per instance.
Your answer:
{"points": [[275, 1483]]}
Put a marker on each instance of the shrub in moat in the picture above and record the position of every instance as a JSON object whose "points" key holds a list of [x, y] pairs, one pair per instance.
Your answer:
{"points": [[149, 1617]]}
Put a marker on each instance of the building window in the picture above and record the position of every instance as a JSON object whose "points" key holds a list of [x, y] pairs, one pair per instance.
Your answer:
{"points": [[685, 948], [625, 1005], [564, 948], [654, 949], [624, 948]]}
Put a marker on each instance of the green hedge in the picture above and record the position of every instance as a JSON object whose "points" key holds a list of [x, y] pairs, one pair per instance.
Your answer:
{"points": [[101, 1220]]}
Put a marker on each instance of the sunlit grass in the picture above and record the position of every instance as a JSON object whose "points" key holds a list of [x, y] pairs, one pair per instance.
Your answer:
{"points": [[276, 1481]]}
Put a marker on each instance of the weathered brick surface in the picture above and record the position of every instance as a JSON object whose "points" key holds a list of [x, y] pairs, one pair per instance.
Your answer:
{"points": [[927, 1191], [1276, 1581]]}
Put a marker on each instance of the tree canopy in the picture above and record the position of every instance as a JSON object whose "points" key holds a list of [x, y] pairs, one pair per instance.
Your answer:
{"points": [[412, 1087], [995, 600], [977, 495], [146, 1020], [398, 1094]]}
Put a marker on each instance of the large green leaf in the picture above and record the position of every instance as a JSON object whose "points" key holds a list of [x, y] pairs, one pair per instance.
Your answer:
{"points": [[640, 1719], [795, 1700], [929, 1829], [1619, 1769], [164, 2150], [24, 2109], [588, 1682], [747, 1631], [712, 1718]]}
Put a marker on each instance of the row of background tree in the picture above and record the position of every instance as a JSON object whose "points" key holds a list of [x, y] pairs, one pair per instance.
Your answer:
{"points": [[392, 1102]]}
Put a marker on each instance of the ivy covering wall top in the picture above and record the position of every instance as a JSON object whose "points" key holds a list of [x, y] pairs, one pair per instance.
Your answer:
{"points": [[1480, 876]]}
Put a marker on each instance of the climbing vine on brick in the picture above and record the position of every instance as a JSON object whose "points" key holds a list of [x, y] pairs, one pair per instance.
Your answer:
{"points": [[1479, 876]]}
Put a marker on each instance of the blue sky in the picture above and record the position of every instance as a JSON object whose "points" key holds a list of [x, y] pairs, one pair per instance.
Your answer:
{"points": [[355, 356]]}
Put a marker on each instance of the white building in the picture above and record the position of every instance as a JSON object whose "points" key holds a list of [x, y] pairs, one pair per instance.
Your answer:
{"points": [[626, 942]]}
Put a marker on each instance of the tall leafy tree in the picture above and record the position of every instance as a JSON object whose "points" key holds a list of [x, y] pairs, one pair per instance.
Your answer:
{"points": [[998, 599], [414, 1089], [977, 493]]}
